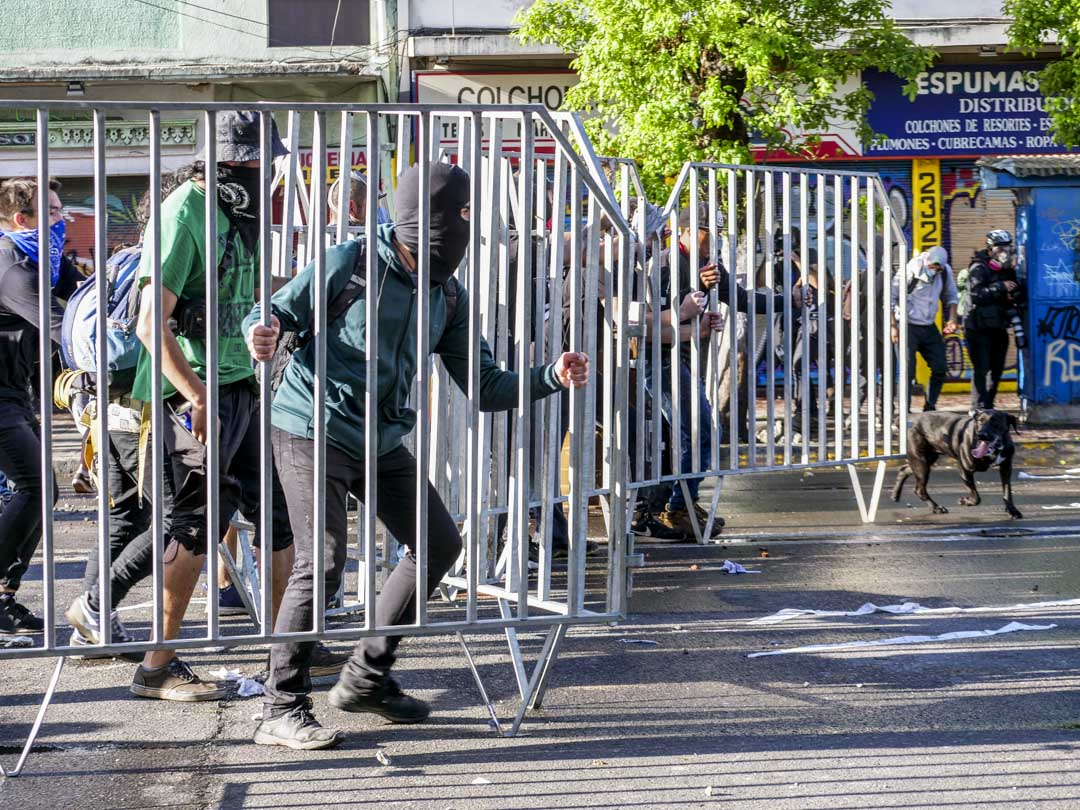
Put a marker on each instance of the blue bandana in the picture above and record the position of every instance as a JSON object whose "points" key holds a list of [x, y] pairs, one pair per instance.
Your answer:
{"points": [[27, 241]]}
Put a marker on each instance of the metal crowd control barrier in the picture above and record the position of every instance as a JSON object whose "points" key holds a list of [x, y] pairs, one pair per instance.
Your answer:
{"points": [[534, 275], [820, 385]]}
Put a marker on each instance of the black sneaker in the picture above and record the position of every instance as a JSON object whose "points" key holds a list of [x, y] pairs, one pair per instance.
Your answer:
{"points": [[7, 626], [386, 700], [640, 522], [660, 532], [298, 729], [325, 661], [22, 619], [592, 548]]}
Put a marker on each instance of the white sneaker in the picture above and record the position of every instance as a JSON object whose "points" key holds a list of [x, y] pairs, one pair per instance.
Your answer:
{"points": [[84, 619], [79, 640], [87, 622]]}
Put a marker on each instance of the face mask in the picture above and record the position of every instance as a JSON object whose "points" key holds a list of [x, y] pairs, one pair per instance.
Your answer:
{"points": [[449, 232], [1000, 259], [238, 196], [27, 241]]}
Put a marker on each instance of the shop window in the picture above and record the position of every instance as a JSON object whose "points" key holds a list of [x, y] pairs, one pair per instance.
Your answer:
{"points": [[319, 23]]}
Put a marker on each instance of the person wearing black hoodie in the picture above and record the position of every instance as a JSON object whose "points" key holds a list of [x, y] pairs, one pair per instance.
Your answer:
{"points": [[20, 333], [366, 685], [993, 286]]}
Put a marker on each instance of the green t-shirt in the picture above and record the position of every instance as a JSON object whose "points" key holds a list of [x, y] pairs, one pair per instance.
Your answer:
{"points": [[183, 271]]}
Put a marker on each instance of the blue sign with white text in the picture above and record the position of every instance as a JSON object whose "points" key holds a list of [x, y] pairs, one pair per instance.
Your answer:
{"points": [[961, 110]]}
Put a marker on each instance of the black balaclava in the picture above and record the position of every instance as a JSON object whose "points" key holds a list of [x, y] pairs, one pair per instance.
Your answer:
{"points": [[238, 196], [449, 232]]}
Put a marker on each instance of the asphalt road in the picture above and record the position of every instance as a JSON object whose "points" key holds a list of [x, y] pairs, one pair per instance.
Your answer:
{"points": [[687, 721]]}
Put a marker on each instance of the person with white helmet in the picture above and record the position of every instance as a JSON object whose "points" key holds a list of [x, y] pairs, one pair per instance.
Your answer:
{"points": [[930, 282]]}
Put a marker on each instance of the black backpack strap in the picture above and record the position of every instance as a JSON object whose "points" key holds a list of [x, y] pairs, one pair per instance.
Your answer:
{"points": [[450, 291], [353, 289], [348, 296]]}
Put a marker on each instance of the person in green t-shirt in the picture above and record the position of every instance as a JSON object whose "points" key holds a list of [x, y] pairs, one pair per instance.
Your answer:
{"points": [[182, 285]]}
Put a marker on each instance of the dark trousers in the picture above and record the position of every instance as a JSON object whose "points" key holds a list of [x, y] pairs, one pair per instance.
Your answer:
{"points": [[687, 392], [20, 521], [987, 349], [927, 341], [185, 489], [560, 531], [129, 515], [826, 375], [289, 681]]}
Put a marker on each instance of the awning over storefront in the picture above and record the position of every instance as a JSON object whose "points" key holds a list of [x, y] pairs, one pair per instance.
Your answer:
{"points": [[1034, 165]]}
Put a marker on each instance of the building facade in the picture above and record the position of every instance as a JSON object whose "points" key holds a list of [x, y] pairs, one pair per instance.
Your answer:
{"points": [[976, 101], [169, 51]]}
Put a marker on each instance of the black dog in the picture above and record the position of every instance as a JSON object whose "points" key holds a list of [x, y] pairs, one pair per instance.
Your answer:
{"points": [[977, 442]]}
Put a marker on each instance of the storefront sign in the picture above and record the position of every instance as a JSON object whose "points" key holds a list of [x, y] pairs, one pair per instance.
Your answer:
{"points": [[333, 160], [443, 87], [926, 189], [961, 110]]}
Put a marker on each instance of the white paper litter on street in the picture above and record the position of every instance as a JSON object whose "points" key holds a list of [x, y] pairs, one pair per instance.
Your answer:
{"points": [[907, 608], [245, 686], [1011, 627], [730, 567], [481, 781], [10, 642], [1073, 505], [382, 758]]}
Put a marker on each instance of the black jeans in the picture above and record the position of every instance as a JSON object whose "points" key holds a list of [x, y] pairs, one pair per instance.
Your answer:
{"points": [[927, 341], [185, 489], [129, 520], [20, 522], [987, 349], [289, 681]]}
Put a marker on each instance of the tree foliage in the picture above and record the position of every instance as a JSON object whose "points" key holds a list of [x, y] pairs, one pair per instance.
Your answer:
{"points": [[667, 81], [1036, 23]]}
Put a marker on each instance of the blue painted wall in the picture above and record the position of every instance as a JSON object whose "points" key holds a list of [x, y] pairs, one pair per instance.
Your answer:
{"points": [[1048, 232]]}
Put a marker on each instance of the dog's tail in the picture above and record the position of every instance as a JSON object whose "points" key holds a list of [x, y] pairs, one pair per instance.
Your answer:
{"points": [[901, 476]]}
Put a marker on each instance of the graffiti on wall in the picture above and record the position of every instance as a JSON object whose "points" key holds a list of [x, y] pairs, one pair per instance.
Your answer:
{"points": [[1060, 326]]}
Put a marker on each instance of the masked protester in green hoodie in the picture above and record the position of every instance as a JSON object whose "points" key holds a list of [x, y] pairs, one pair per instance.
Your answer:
{"points": [[366, 685]]}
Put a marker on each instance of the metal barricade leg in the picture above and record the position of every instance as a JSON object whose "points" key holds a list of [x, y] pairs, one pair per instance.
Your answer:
{"points": [[515, 649], [538, 683], [45, 701], [714, 502], [868, 513], [691, 511], [493, 722]]}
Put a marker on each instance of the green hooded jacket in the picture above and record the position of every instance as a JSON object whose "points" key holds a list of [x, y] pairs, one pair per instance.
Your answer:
{"points": [[294, 407]]}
